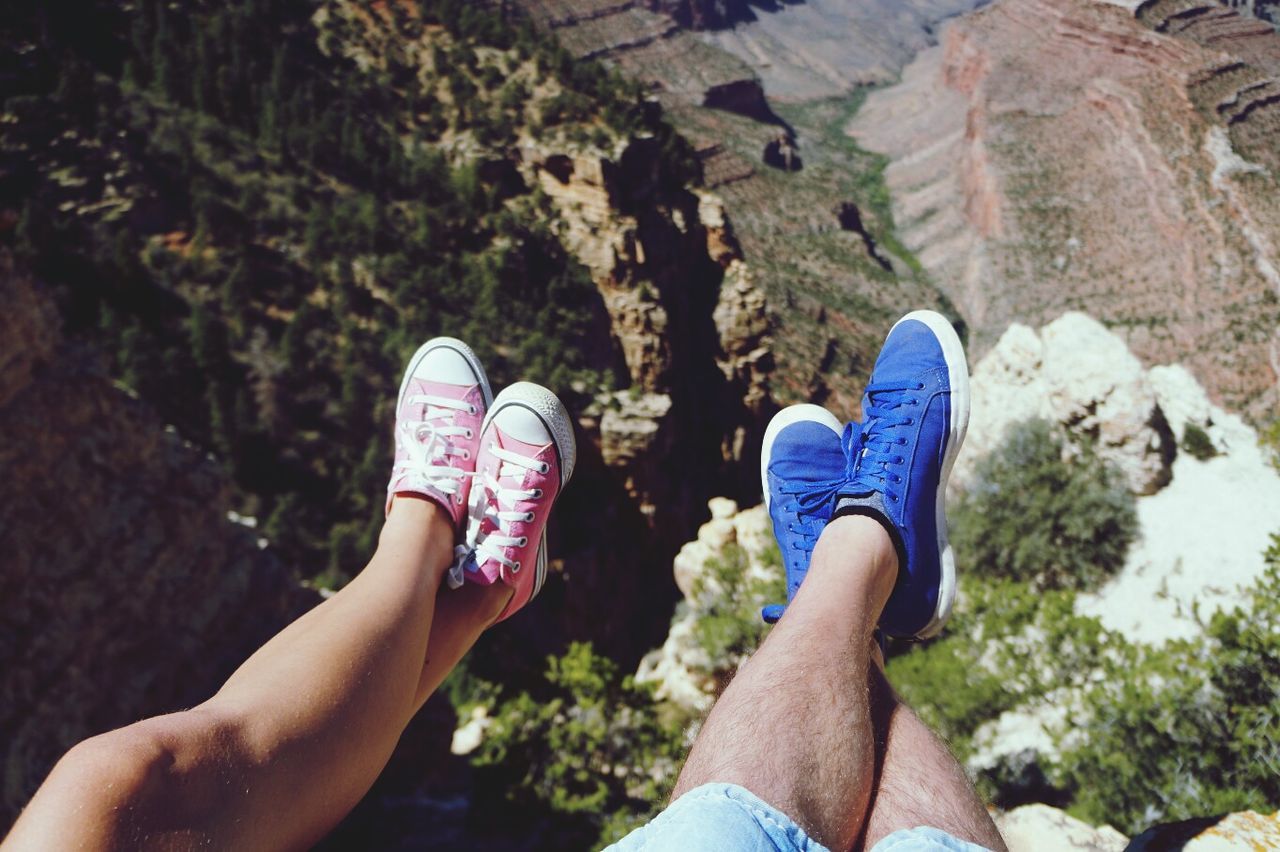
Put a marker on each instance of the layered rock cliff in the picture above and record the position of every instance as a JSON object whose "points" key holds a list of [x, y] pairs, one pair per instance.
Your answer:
{"points": [[1116, 158], [787, 176], [682, 331]]}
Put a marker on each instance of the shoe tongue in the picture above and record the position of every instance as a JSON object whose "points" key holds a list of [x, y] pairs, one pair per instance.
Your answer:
{"points": [[515, 445], [822, 452]]}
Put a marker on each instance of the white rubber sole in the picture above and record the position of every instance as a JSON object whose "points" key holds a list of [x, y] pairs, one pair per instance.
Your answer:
{"points": [[548, 408], [445, 343], [958, 376], [784, 418]]}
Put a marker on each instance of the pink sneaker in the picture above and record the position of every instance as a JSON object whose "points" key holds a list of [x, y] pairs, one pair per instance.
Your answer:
{"points": [[527, 453], [443, 400]]}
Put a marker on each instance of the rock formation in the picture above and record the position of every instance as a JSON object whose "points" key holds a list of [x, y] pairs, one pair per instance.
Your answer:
{"points": [[1118, 158], [683, 670], [1203, 530], [1242, 830], [717, 95], [823, 48], [128, 591], [658, 271], [1041, 828], [1082, 376]]}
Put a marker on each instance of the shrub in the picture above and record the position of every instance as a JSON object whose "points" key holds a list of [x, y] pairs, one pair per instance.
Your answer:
{"points": [[1270, 439], [1031, 515], [1190, 729], [728, 600], [1196, 441], [591, 757], [1007, 643]]}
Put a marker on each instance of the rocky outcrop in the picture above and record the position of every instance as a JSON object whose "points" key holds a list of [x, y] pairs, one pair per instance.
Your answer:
{"points": [[1041, 828], [823, 48], [744, 97], [128, 590], [683, 670], [1243, 830], [1128, 170], [1080, 375], [1204, 522], [679, 299]]}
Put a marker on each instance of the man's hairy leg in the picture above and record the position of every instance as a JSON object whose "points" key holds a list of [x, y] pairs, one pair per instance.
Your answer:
{"points": [[794, 726], [919, 782], [296, 736]]}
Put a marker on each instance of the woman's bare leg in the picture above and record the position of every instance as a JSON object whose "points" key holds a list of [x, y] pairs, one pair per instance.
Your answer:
{"points": [[297, 735]]}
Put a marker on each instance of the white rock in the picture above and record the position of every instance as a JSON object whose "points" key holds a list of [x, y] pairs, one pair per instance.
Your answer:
{"points": [[1041, 828], [722, 508], [680, 668], [468, 736], [1028, 728], [1183, 401], [683, 671], [1203, 537], [1097, 388], [1075, 373], [1243, 830]]}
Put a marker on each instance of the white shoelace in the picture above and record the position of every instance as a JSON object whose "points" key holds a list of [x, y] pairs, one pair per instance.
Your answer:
{"points": [[428, 446], [496, 504]]}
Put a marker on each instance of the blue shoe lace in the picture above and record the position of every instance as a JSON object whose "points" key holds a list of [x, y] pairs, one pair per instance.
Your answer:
{"points": [[809, 501], [874, 469]]}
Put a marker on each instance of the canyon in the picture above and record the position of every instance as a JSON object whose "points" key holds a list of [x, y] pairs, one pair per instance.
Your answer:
{"points": [[1122, 160]]}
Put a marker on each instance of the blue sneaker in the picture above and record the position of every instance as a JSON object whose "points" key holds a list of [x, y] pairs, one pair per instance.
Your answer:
{"points": [[914, 416], [802, 466]]}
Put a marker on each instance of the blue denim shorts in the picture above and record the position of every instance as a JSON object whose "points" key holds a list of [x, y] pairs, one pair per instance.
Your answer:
{"points": [[728, 818]]}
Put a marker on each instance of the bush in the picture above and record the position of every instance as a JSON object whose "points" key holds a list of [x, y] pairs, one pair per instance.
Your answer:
{"points": [[1190, 729], [1270, 439], [1196, 441], [1031, 515], [728, 599], [1007, 644], [588, 759]]}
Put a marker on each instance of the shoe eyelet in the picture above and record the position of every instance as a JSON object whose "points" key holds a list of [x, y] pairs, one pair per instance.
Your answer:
{"points": [[515, 569], [546, 468], [472, 410], [470, 434], [466, 455], [910, 422], [528, 517], [524, 541], [537, 493], [920, 386]]}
